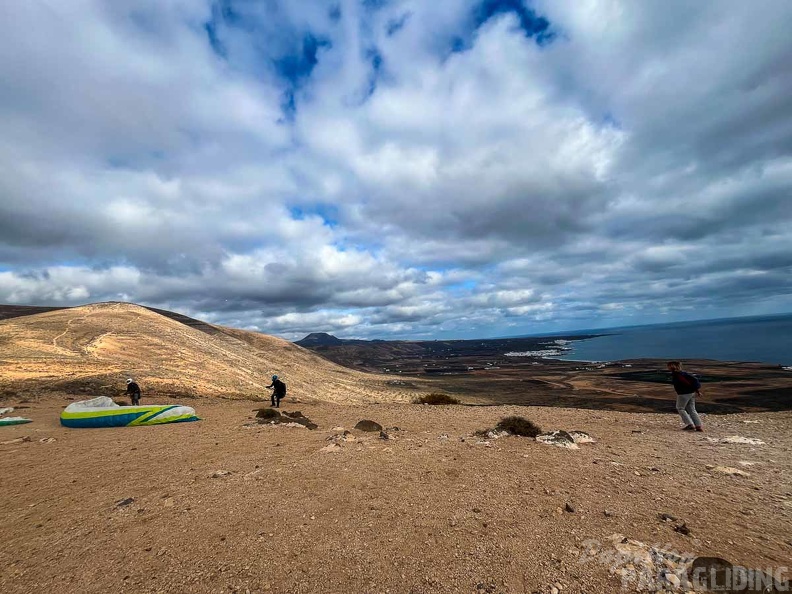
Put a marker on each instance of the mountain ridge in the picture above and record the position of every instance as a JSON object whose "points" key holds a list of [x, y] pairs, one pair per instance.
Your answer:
{"points": [[91, 349]]}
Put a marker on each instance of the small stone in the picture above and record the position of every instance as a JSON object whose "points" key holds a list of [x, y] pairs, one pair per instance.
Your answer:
{"points": [[383, 435], [569, 508], [125, 502], [476, 510], [666, 517], [682, 529], [553, 590], [370, 426], [220, 473], [608, 513]]}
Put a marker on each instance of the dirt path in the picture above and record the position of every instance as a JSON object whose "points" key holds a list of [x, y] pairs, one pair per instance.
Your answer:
{"points": [[421, 512]]}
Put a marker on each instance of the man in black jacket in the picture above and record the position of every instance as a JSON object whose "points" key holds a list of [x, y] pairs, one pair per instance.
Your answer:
{"points": [[278, 392], [133, 391], [687, 388]]}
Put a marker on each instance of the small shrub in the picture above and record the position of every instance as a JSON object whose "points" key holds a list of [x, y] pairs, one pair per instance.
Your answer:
{"points": [[436, 399], [268, 414], [519, 426]]}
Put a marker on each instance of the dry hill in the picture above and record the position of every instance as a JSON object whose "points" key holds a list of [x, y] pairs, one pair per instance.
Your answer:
{"points": [[91, 350]]}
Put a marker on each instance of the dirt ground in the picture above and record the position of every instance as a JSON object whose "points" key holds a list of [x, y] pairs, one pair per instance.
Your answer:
{"points": [[145, 509]]}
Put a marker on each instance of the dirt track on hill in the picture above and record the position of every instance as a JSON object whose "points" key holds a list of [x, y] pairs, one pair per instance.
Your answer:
{"points": [[418, 513]]}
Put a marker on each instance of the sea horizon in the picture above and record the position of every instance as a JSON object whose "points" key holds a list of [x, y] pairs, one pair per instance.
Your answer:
{"points": [[761, 339]]}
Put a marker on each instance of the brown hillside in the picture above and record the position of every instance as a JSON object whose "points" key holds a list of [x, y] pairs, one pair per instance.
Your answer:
{"points": [[91, 350]]}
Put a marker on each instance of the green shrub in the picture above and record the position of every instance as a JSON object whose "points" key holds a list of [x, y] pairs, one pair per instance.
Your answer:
{"points": [[436, 399], [519, 426]]}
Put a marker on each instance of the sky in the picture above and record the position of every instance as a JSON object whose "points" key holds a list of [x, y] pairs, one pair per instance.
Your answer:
{"points": [[399, 168]]}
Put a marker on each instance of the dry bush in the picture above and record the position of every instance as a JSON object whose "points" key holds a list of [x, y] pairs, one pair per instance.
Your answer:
{"points": [[268, 414], [436, 399], [519, 426]]}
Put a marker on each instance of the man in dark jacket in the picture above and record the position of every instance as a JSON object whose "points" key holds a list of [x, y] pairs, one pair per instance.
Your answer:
{"points": [[687, 388], [133, 391], [278, 391]]}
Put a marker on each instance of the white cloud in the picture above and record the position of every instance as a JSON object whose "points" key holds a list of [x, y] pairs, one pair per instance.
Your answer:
{"points": [[639, 162]]}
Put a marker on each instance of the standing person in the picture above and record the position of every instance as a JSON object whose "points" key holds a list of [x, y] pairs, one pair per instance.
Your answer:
{"points": [[278, 392], [133, 390], [687, 388]]}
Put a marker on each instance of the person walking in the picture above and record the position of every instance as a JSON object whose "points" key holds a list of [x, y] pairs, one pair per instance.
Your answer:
{"points": [[687, 387], [278, 391], [133, 391]]}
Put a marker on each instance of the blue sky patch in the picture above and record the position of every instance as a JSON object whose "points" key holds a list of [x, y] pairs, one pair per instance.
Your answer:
{"points": [[327, 212], [532, 25]]}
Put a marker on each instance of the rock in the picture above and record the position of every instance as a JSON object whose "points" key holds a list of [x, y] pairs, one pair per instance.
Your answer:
{"points": [[370, 426], [608, 513], [569, 508], [672, 579], [125, 502], [221, 473], [713, 574], [560, 439], [332, 447], [666, 517], [383, 435], [636, 562], [581, 437], [728, 470], [476, 510], [682, 529]]}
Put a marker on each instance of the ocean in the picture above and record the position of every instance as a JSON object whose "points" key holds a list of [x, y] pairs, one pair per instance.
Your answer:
{"points": [[766, 339]]}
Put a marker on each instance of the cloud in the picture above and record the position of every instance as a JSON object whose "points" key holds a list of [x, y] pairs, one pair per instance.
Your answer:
{"points": [[401, 168]]}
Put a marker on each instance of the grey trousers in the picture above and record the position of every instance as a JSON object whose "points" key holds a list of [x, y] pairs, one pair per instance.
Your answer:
{"points": [[686, 407]]}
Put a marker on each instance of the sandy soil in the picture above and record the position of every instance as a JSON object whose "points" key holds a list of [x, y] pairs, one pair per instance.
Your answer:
{"points": [[418, 513]]}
